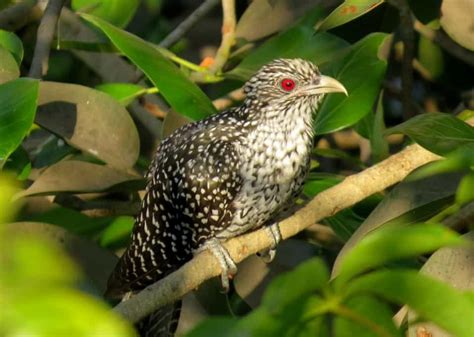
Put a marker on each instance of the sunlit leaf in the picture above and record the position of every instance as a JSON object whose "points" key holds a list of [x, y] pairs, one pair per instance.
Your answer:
{"points": [[465, 192], [90, 121], [457, 19], [437, 132], [125, 93], [117, 12], [13, 44], [348, 11], [361, 72], [117, 232], [182, 94], [431, 299], [8, 67], [384, 246], [18, 100], [298, 41]]}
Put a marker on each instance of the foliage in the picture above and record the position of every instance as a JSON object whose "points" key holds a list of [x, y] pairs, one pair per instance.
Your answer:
{"points": [[76, 145]]}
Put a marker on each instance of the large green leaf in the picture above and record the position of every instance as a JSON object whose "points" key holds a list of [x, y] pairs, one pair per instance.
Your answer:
{"points": [[125, 93], [298, 41], [90, 121], [117, 12], [361, 71], [347, 11], [438, 132], [431, 299], [384, 246], [77, 176], [18, 100], [13, 44], [182, 94], [8, 67]]}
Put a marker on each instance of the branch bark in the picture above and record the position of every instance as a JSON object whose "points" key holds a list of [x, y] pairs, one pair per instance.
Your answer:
{"points": [[204, 265], [44, 38], [187, 24]]}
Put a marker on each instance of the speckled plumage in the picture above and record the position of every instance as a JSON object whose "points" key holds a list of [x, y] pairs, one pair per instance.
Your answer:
{"points": [[223, 176]]}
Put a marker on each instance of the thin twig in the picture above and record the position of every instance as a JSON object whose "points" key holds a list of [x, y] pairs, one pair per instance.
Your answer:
{"points": [[445, 42], [187, 24], [204, 266], [407, 35], [44, 38]]}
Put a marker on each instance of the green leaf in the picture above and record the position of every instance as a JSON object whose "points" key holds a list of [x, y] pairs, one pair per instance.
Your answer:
{"points": [[431, 57], [465, 192], [90, 121], [18, 100], [125, 93], [383, 246], [293, 285], [117, 12], [118, 232], [347, 11], [372, 309], [220, 326], [361, 71], [77, 176], [19, 162], [437, 132], [8, 67], [298, 41], [13, 44], [431, 299], [182, 94]]}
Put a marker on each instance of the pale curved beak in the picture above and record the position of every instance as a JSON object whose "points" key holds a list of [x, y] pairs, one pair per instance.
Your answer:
{"points": [[326, 85]]}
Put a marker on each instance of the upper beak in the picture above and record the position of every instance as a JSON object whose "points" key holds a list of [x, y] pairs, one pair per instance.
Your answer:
{"points": [[326, 85]]}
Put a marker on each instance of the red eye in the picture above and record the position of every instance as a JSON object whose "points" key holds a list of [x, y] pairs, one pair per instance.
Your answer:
{"points": [[287, 84]]}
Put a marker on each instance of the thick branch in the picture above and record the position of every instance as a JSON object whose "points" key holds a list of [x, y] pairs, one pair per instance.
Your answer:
{"points": [[44, 38], [16, 16], [187, 24], [204, 266]]}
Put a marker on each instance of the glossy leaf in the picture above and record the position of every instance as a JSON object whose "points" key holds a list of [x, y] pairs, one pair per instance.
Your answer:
{"points": [[408, 203], [361, 71], [298, 41], [293, 285], [182, 94], [90, 121], [372, 308], [437, 132], [431, 299], [8, 67], [125, 93], [13, 44], [18, 100], [270, 17], [117, 232], [117, 12], [383, 246], [77, 176], [347, 11]]}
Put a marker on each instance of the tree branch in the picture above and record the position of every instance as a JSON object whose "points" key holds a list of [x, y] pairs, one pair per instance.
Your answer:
{"points": [[407, 35], [204, 265], [16, 16], [187, 24], [44, 38]]}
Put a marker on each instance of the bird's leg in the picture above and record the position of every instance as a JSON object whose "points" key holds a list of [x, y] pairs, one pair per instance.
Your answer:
{"points": [[228, 267], [275, 235]]}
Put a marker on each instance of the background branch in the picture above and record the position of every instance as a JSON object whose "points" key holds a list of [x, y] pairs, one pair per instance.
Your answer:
{"points": [[204, 266], [187, 24], [44, 38]]}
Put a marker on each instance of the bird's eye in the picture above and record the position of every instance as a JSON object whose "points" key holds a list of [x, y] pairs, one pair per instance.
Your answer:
{"points": [[287, 84]]}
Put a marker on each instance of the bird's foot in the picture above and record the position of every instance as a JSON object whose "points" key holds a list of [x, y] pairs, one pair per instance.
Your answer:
{"points": [[228, 267], [274, 232]]}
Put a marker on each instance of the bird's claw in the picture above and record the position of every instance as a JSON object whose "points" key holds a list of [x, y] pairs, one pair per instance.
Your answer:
{"points": [[228, 266], [273, 231]]}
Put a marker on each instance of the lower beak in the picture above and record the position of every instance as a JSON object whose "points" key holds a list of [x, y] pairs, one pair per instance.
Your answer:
{"points": [[326, 85]]}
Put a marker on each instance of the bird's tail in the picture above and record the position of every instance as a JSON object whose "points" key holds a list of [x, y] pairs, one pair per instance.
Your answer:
{"points": [[162, 322]]}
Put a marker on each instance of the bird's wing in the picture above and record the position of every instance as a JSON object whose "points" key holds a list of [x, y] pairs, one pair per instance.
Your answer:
{"points": [[189, 200]]}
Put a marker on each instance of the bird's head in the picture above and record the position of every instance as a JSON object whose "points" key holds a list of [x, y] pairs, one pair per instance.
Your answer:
{"points": [[290, 81]]}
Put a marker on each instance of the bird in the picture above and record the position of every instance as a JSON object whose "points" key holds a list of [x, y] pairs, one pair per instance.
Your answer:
{"points": [[225, 175]]}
